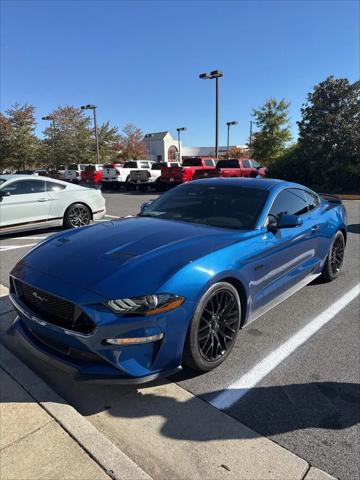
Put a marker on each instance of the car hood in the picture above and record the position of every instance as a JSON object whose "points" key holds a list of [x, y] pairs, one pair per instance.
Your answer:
{"points": [[133, 256]]}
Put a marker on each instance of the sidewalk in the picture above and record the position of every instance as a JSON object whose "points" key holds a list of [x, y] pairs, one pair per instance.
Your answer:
{"points": [[33, 445], [43, 437]]}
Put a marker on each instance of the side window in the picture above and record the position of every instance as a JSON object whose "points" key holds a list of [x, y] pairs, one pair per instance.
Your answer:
{"points": [[246, 163], [54, 187], [313, 200], [144, 164], [209, 163], [291, 201], [255, 164], [22, 187]]}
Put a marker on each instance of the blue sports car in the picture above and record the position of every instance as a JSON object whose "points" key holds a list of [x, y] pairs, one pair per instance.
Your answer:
{"points": [[134, 298]]}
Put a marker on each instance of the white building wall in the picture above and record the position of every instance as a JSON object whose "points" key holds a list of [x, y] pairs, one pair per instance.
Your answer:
{"points": [[161, 148]]}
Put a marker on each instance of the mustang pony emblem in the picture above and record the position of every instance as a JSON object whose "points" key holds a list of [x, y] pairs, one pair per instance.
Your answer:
{"points": [[39, 297]]}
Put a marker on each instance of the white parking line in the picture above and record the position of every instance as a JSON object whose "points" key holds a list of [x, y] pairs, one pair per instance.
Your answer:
{"points": [[4, 248], [244, 384]]}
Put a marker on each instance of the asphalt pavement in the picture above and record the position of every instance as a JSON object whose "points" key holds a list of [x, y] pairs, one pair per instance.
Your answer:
{"points": [[308, 404]]}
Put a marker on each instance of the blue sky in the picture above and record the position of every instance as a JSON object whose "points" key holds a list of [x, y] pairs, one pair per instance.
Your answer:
{"points": [[139, 61]]}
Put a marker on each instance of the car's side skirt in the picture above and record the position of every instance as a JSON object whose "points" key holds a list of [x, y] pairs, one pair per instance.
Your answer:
{"points": [[53, 222], [281, 298]]}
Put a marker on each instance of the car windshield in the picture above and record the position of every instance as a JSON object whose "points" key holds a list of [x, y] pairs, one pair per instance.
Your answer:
{"points": [[226, 206]]}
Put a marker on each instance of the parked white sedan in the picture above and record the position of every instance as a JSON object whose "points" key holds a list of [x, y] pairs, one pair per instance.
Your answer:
{"points": [[28, 202]]}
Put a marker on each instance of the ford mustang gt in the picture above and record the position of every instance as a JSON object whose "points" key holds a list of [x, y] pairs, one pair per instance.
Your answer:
{"points": [[173, 285]]}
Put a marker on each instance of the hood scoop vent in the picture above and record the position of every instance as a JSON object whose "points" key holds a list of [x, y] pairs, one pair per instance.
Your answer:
{"points": [[123, 254]]}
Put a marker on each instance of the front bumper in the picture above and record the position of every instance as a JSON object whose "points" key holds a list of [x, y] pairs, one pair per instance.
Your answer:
{"points": [[89, 358]]}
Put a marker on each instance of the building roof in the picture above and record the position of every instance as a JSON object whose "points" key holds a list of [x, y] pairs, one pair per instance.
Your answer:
{"points": [[158, 136]]}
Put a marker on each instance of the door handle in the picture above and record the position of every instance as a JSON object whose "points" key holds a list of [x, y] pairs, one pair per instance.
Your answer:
{"points": [[315, 228], [42, 200]]}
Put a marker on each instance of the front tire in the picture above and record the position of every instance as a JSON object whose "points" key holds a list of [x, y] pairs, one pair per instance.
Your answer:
{"points": [[77, 215], [334, 259], [214, 328]]}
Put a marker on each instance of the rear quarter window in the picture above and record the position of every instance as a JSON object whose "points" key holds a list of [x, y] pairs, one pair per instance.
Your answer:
{"points": [[312, 199], [54, 187]]}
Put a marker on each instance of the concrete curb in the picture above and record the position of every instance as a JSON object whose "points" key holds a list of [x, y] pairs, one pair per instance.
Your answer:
{"points": [[115, 463]]}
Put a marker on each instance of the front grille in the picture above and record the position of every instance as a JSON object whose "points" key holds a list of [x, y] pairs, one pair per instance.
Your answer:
{"points": [[52, 309]]}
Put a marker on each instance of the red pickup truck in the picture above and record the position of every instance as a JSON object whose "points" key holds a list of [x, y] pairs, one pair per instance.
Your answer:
{"points": [[171, 176], [92, 174], [233, 167]]}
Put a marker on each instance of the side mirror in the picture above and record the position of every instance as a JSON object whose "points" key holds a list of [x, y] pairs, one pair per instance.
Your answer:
{"points": [[145, 205], [284, 221], [4, 193]]}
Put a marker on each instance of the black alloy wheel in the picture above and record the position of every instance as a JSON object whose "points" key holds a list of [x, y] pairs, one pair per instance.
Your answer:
{"points": [[77, 215], [337, 255], [214, 328], [334, 259]]}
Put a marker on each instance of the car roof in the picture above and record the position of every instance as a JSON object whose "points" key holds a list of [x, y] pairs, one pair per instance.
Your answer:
{"points": [[9, 177]]}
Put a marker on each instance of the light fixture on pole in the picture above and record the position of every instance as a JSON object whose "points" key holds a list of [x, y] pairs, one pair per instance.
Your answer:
{"points": [[149, 136], [181, 129], [210, 76], [229, 124], [93, 108], [50, 118]]}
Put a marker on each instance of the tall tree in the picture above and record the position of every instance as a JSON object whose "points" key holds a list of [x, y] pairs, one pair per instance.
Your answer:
{"points": [[71, 140], [20, 141], [272, 121], [131, 144], [6, 133], [109, 137], [330, 134], [237, 152]]}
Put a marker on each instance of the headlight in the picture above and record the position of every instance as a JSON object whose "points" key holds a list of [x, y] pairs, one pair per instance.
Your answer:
{"points": [[147, 305]]}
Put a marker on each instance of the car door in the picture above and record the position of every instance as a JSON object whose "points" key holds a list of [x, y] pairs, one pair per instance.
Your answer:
{"points": [[25, 201], [290, 253]]}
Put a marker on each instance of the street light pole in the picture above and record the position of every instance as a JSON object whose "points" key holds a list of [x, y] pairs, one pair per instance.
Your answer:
{"points": [[182, 129], [52, 119], [250, 136], [210, 76], [93, 108], [229, 124], [149, 136]]}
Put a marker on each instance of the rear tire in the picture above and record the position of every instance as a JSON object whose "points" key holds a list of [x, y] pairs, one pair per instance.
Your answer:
{"points": [[334, 259], [214, 328], [77, 215]]}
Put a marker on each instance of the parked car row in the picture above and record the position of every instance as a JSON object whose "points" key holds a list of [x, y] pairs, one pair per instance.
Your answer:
{"points": [[146, 174]]}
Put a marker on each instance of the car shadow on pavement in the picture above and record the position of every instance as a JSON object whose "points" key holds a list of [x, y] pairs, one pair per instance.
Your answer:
{"points": [[354, 228]]}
